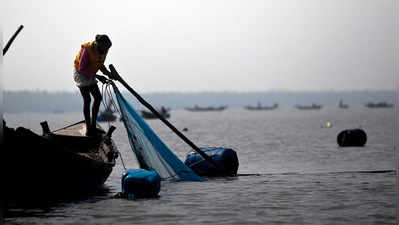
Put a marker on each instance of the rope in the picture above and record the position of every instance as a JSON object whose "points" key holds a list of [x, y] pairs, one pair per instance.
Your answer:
{"points": [[108, 99], [123, 163]]}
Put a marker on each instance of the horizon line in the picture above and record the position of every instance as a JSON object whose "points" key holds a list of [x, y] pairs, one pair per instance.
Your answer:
{"points": [[219, 92]]}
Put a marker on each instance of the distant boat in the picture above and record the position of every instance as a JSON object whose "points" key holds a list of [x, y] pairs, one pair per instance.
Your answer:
{"points": [[203, 109], [106, 116], [164, 112], [309, 107], [379, 105], [342, 105], [259, 107]]}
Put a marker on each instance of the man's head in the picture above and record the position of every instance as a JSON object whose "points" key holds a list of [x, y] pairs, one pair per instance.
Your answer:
{"points": [[103, 43]]}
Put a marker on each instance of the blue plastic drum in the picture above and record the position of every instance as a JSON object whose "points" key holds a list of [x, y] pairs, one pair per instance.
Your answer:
{"points": [[225, 158], [140, 183]]}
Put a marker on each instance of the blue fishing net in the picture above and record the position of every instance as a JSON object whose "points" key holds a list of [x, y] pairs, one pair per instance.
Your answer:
{"points": [[150, 151]]}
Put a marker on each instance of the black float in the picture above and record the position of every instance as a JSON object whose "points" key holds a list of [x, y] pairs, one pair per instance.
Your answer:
{"points": [[352, 138]]}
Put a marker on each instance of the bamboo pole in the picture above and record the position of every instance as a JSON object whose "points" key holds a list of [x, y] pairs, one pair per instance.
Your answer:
{"points": [[117, 77], [5, 49]]}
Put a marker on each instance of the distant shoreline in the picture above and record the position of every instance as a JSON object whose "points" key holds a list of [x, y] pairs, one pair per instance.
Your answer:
{"points": [[58, 102]]}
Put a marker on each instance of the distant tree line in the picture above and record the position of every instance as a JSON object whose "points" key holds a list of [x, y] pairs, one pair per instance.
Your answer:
{"points": [[42, 101]]}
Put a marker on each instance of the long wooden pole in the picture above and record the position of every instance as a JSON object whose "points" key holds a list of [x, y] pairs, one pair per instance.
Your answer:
{"points": [[5, 49], [115, 75]]}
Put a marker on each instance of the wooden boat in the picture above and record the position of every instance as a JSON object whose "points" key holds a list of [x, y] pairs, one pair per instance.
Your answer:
{"points": [[260, 107], [379, 105], [204, 109], [56, 165], [59, 164], [342, 105], [164, 112], [309, 107]]}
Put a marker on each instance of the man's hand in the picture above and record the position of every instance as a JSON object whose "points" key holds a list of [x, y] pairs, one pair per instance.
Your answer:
{"points": [[112, 77], [101, 78], [105, 71], [113, 74]]}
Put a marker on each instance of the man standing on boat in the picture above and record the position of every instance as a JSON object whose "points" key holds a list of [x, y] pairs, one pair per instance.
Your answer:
{"points": [[89, 60]]}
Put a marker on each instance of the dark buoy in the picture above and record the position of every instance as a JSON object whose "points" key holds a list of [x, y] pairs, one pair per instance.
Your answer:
{"points": [[225, 158], [352, 137]]}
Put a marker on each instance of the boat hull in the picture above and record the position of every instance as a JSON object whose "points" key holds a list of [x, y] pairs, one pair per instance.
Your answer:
{"points": [[45, 167], [150, 115], [106, 117], [206, 109]]}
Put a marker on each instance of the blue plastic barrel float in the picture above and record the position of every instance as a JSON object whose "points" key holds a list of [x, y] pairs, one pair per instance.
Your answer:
{"points": [[225, 158], [140, 183], [352, 138]]}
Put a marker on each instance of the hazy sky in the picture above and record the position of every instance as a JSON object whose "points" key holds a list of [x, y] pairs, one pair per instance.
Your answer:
{"points": [[208, 45]]}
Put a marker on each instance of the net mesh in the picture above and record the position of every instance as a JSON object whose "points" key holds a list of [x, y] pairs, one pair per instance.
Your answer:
{"points": [[150, 151]]}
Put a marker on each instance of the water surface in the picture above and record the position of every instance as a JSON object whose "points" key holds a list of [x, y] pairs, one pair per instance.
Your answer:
{"points": [[304, 177]]}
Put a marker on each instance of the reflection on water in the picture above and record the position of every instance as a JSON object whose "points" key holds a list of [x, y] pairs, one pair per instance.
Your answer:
{"points": [[305, 178]]}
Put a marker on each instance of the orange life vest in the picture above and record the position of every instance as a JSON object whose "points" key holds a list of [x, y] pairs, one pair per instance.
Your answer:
{"points": [[95, 59]]}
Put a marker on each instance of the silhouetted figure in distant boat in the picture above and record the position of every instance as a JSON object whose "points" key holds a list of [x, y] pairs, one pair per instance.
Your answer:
{"points": [[342, 105], [89, 60], [163, 110]]}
